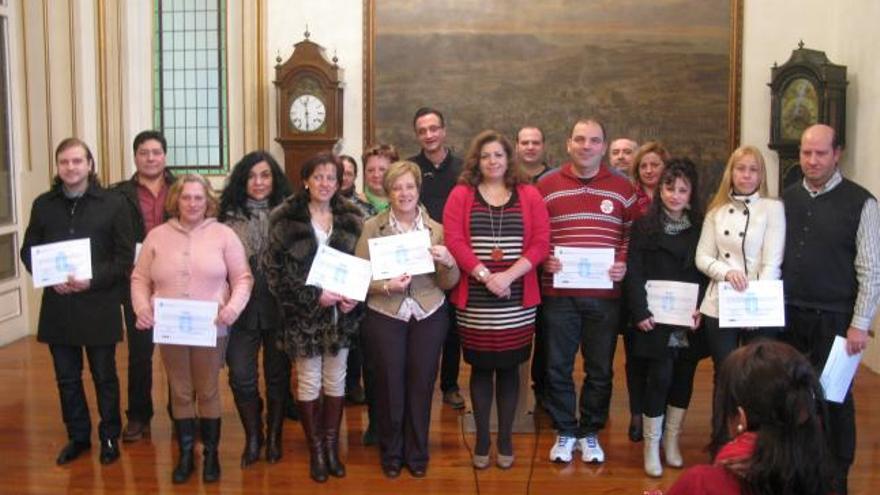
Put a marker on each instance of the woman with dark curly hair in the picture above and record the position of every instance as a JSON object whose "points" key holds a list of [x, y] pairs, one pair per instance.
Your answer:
{"points": [[767, 428], [255, 186], [317, 325], [662, 247]]}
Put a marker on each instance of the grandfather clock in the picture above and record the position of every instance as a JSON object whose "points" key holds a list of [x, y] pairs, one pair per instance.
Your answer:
{"points": [[309, 94], [807, 89]]}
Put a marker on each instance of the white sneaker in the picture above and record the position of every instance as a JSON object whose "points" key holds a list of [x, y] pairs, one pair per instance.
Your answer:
{"points": [[562, 449], [591, 450]]}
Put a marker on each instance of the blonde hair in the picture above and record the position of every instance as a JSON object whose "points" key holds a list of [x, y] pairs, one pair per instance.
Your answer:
{"points": [[397, 170], [171, 203], [655, 147], [723, 195]]}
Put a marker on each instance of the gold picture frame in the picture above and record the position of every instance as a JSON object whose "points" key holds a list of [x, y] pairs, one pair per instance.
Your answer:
{"points": [[710, 81]]}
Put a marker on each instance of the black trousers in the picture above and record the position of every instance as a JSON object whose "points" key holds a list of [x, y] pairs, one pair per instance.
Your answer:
{"points": [[676, 379], [450, 362], [242, 354], [68, 363], [140, 369], [403, 358], [812, 332], [723, 341], [539, 357], [636, 375], [355, 364]]}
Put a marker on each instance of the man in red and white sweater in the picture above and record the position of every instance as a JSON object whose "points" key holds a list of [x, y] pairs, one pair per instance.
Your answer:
{"points": [[589, 207]]}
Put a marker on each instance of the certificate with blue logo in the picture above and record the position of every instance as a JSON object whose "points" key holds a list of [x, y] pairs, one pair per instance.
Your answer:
{"points": [[53, 263], [185, 322], [762, 304], [583, 268], [672, 303], [341, 273], [394, 255]]}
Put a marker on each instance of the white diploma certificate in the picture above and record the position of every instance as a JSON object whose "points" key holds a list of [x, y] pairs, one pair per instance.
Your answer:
{"points": [[184, 322], [341, 273], [672, 303], [762, 304], [137, 251], [583, 268], [395, 255], [52, 263], [840, 368]]}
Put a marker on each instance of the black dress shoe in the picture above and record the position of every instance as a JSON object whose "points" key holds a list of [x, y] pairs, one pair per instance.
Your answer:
{"points": [[109, 451], [418, 472], [391, 470], [71, 451]]}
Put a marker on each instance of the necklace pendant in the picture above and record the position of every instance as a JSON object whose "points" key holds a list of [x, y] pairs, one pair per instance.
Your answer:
{"points": [[497, 254]]}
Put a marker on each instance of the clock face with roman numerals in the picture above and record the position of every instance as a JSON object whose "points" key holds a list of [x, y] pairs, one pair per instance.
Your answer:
{"points": [[307, 113]]}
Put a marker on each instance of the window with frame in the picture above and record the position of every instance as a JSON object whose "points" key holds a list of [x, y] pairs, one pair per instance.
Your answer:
{"points": [[189, 83]]}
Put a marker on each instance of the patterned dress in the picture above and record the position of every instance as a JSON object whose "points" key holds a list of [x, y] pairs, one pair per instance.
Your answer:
{"points": [[496, 333]]}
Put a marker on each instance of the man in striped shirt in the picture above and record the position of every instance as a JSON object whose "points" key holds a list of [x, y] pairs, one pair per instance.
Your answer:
{"points": [[590, 207]]}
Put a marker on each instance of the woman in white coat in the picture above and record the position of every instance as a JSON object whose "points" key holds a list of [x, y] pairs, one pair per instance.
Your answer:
{"points": [[743, 239]]}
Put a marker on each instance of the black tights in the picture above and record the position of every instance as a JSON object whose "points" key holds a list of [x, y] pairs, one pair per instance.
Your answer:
{"points": [[506, 392]]}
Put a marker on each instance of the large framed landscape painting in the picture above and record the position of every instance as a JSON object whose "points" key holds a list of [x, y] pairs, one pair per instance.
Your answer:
{"points": [[649, 69]]}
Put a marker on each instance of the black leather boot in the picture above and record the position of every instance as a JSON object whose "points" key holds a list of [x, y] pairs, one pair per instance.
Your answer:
{"points": [[274, 427], [251, 414], [186, 440], [310, 417], [210, 440], [332, 420]]}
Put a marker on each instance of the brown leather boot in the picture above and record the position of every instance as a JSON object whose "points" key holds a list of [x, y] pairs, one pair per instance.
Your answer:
{"points": [[310, 417], [251, 414], [274, 428], [332, 420]]}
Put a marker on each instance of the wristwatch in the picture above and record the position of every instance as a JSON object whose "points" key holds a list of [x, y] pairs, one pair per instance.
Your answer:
{"points": [[482, 274]]}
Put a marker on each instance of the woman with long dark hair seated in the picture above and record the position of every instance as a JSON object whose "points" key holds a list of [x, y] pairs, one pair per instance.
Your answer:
{"points": [[767, 429]]}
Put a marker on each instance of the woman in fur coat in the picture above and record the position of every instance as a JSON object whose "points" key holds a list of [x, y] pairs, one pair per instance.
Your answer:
{"points": [[317, 325]]}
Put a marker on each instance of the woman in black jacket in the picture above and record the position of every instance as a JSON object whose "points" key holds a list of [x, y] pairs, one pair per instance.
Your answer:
{"points": [[662, 247], [81, 314], [317, 325], [255, 186]]}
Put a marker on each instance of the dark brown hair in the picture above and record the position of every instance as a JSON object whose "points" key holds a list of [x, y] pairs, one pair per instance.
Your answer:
{"points": [[471, 174]]}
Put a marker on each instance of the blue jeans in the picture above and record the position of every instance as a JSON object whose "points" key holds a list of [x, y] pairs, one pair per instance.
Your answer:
{"points": [[591, 324]]}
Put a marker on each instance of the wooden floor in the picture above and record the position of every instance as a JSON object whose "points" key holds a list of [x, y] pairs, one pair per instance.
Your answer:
{"points": [[31, 433]]}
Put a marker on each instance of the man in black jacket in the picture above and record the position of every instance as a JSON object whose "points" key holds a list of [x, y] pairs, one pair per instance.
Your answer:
{"points": [[144, 195], [440, 171], [83, 315]]}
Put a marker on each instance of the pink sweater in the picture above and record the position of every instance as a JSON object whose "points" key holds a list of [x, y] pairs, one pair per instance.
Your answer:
{"points": [[199, 264]]}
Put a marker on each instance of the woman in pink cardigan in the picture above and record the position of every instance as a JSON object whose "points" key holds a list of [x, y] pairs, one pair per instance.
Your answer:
{"points": [[192, 256], [497, 228]]}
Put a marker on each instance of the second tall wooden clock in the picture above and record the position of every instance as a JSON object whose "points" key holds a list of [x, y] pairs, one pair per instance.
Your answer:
{"points": [[309, 105]]}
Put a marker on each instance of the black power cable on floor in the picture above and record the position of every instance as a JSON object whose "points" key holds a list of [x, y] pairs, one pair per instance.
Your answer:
{"points": [[534, 456], [534, 449], [461, 416]]}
